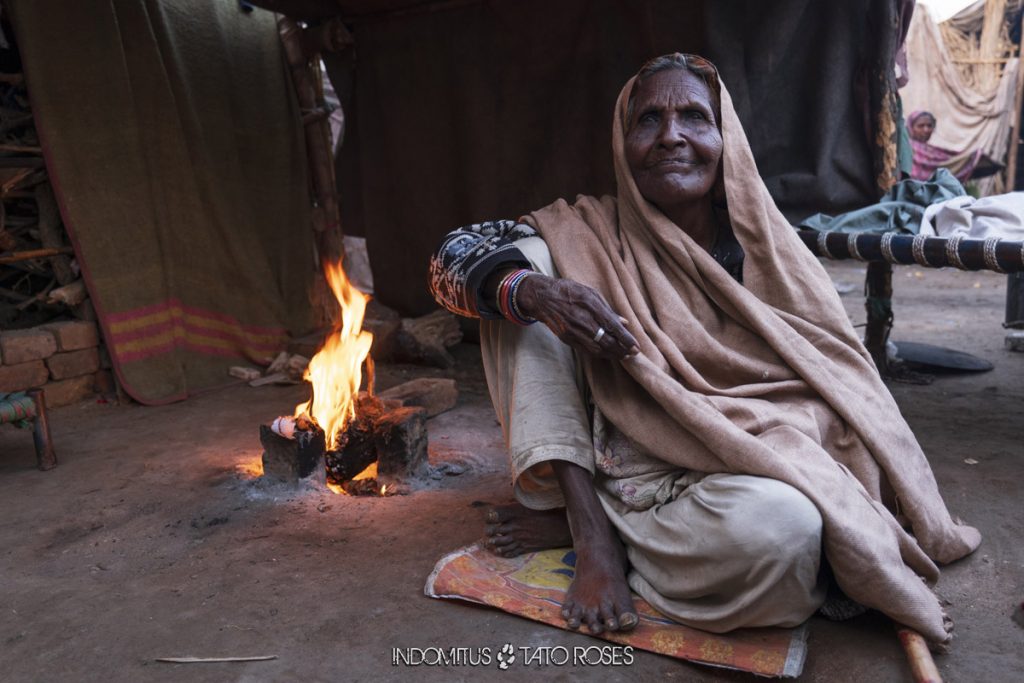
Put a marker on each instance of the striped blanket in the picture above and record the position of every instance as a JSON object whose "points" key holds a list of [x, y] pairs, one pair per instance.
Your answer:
{"points": [[176, 153]]}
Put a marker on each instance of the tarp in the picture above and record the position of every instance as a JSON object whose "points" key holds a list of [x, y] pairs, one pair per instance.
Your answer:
{"points": [[967, 119], [175, 148], [486, 110], [901, 210]]}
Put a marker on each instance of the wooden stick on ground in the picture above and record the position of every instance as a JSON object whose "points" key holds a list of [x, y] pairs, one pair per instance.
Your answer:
{"points": [[208, 660], [922, 666]]}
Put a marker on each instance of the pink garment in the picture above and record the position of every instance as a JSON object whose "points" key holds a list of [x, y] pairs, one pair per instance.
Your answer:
{"points": [[928, 157]]}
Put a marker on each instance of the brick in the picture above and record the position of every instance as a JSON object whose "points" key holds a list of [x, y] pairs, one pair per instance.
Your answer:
{"points": [[73, 335], [23, 376], [21, 346], [74, 363], [68, 391]]}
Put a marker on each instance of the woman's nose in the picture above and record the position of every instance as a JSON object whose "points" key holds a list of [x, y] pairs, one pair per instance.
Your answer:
{"points": [[671, 134]]}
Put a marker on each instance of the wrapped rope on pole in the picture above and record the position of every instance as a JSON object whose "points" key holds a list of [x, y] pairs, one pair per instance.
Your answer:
{"points": [[999, 255]]}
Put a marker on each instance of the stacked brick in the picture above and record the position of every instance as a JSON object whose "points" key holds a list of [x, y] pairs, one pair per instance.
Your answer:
{"points": [[65, 358]]}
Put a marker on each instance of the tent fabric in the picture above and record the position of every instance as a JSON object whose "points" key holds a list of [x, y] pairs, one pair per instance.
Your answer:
{"points": [[902, 209], [176, 151], [480, 111], [966, 119], [793, 68], [972, 17]]}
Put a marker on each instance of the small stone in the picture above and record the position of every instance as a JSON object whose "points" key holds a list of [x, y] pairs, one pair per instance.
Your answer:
{"points": [[1018, 615], [1015, 340], [970, 461]]}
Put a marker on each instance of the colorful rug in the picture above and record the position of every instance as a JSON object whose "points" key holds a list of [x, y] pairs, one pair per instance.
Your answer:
{"points": [[533, 586]]}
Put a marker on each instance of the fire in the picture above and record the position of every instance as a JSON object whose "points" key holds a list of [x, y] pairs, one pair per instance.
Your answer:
{"points": [[336, 370]]}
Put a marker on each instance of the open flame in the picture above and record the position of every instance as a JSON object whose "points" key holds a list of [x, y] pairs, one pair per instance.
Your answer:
{"points": [[336, 371]]}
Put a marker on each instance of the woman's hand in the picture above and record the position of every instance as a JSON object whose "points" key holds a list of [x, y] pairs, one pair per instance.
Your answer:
{"points": [[576, 313]]}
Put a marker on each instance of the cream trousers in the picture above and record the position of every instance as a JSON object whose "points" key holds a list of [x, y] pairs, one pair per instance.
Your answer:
{"points": [[727, 551]]}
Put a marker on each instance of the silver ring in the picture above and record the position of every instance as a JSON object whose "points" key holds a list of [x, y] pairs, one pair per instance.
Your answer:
{"points": [[953, 251], [886, 245], [823, 246], [851, 246], [600, 333], [988, 251], [917, 249]]}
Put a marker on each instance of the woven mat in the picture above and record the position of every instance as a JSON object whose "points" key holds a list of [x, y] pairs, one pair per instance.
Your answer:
{"points": [[534, 585]]}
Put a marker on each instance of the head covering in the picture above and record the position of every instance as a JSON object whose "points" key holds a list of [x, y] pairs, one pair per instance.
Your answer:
{"points": [[915, 115], [767, 378]]}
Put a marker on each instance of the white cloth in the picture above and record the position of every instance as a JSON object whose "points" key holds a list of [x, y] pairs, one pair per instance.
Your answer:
{"points": [[1000, 215]]}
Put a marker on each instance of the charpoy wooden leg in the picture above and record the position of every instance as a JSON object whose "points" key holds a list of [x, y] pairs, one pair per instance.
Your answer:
{"points": [[45, 455], [879, 310]]}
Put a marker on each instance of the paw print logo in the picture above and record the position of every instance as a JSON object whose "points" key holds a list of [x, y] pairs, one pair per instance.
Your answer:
{"points": [[506, 656]]}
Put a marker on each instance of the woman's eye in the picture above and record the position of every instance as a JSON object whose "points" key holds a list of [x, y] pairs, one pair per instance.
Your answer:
{"points": [[649, 117], [695, 115]]}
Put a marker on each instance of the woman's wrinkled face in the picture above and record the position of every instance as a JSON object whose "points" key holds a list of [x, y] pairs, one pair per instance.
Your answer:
{"points": [[673, 146], [922, 128]]}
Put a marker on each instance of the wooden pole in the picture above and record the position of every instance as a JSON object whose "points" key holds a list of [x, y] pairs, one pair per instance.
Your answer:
{"points": [[46, 457], [16, 256], [22, 149], [1011, 161], [989, 44], [922, 666]]}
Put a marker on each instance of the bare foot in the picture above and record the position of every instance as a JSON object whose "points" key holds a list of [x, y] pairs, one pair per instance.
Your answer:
{"points": [[513, 530], [599, 596]]}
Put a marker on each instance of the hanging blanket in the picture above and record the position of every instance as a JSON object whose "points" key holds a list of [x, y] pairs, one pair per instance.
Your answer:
{"points": [[176, 152]]}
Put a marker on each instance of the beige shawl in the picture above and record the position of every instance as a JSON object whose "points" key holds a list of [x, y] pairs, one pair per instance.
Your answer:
{"points": [[766, 378]]}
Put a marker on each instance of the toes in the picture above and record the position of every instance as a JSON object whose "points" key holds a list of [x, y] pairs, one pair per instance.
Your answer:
{"points": [[628, 620], [593, 620], [502, 513], [501, 540], [512, 550], [608, 617], [572, 612]]}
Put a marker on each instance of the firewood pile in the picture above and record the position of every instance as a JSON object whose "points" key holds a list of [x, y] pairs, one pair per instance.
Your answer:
{"points": [[39, 277]]}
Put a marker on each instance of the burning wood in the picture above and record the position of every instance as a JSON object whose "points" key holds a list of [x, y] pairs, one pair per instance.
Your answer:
{"points": [[351, 436], [381, 445], [292, 449]]}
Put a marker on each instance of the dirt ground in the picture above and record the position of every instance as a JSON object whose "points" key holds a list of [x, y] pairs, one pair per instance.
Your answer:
{"points": [[152, 540]]}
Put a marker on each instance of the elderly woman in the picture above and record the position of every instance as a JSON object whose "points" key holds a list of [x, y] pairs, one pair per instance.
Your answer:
{"points": [[929, 157], [695, 413]]}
